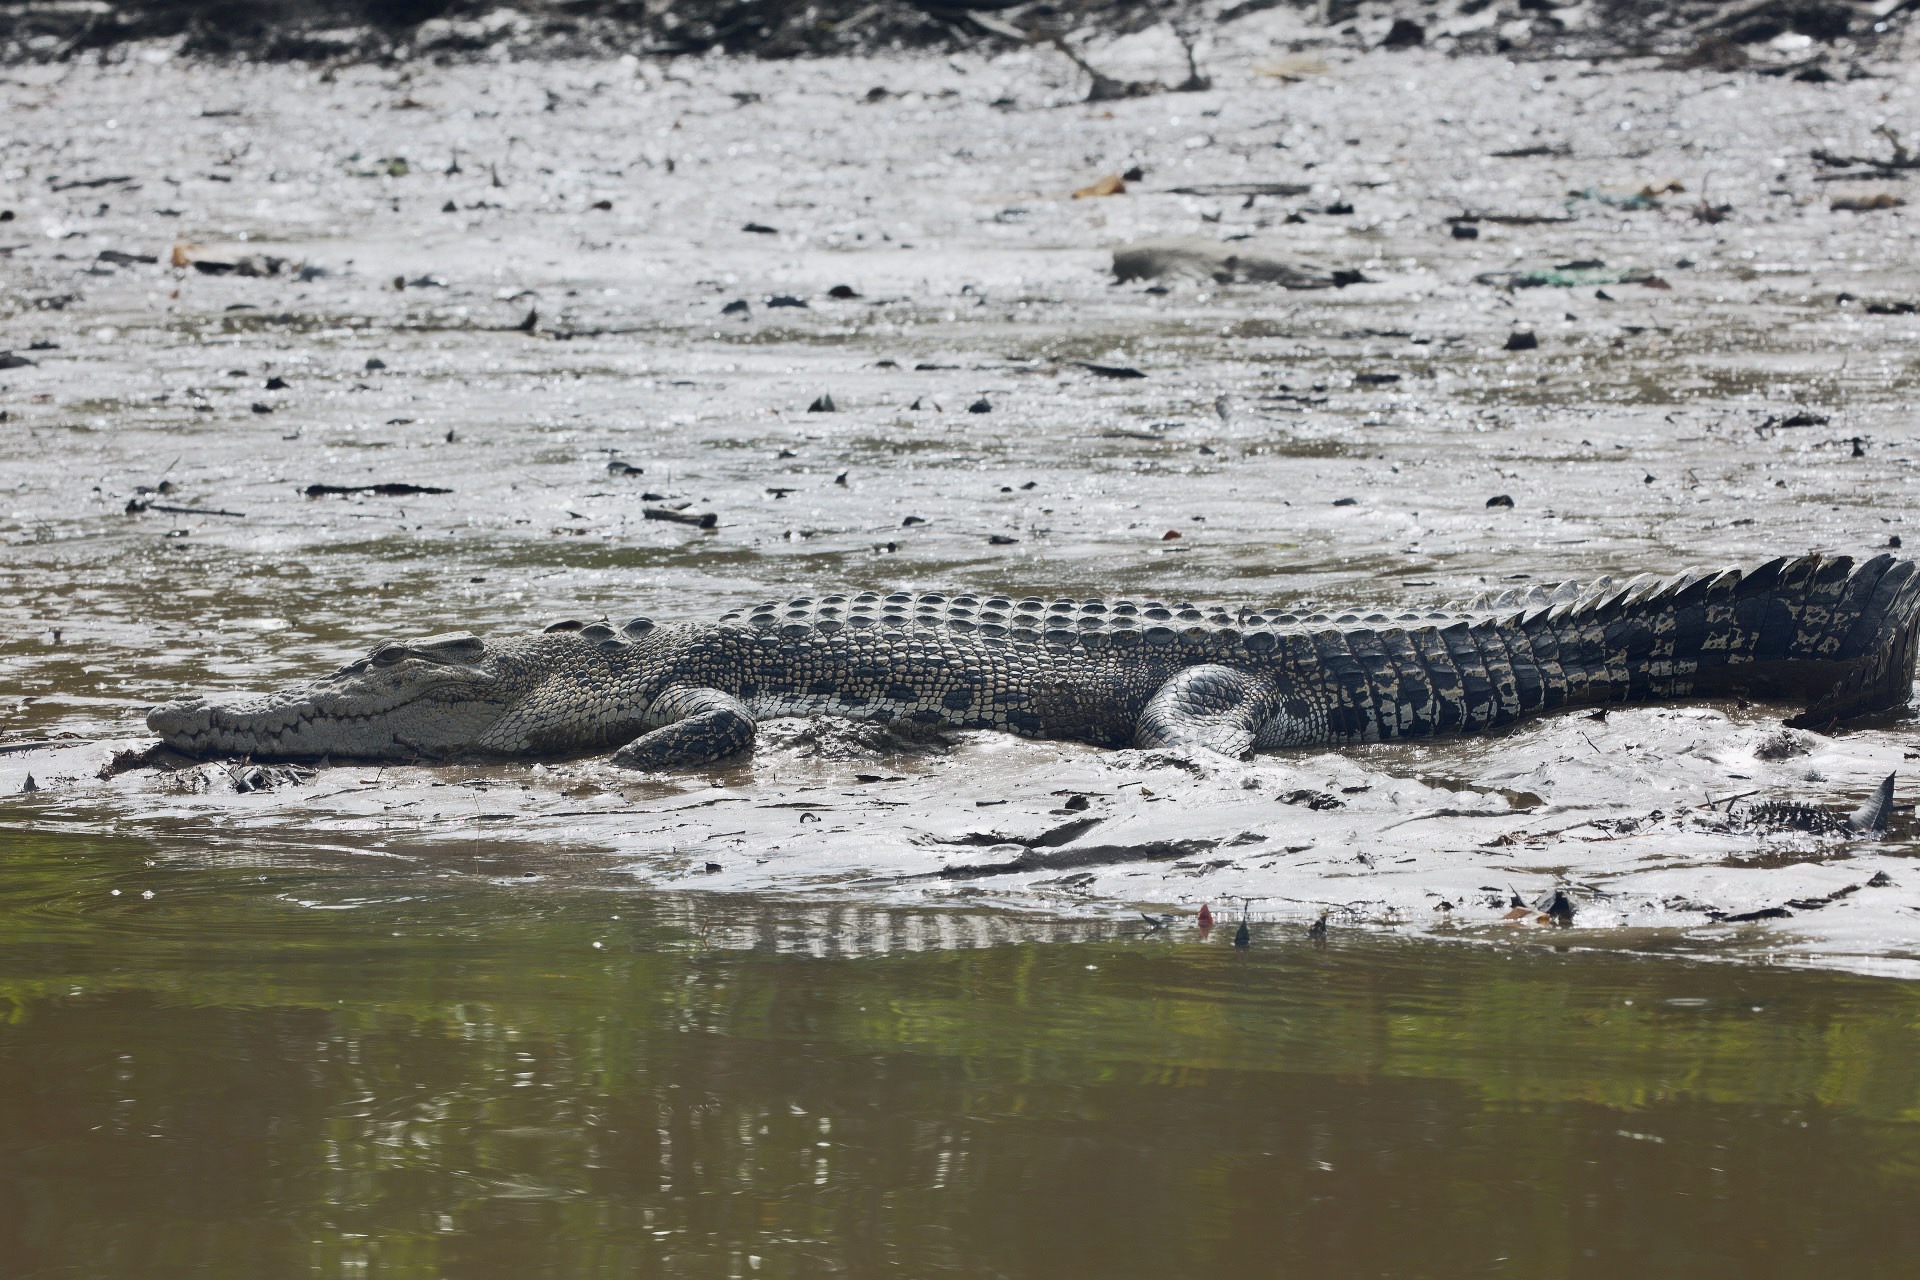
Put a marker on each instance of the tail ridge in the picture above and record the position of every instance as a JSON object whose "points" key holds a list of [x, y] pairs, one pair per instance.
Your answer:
{"points": [[1837, 635]]}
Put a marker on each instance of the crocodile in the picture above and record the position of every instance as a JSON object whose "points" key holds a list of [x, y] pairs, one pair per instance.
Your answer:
{"points": [[1834, 635], [1870, 819]]}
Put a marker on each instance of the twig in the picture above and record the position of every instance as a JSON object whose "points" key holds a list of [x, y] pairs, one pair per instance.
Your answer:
{"points": [[136, 507]]}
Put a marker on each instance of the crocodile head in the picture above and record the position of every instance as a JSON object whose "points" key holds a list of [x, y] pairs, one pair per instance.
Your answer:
{"points": [[429, 698]]}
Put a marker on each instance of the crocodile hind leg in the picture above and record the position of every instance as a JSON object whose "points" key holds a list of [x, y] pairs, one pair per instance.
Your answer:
{"points": [[1211, 706], [703, 725]]}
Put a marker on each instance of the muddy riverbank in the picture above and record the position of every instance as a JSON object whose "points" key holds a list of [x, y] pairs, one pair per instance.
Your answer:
{"points": [[1668, 315], [1725, 34]]}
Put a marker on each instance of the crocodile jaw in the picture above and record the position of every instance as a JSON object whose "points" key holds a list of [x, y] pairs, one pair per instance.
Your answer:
{"points": [[416, 705], [293, 724]]}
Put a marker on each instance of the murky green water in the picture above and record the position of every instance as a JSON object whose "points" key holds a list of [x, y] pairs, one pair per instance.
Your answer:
{"points": [[281, 1065]]}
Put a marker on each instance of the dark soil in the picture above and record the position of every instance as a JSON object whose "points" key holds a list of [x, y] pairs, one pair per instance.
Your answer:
{"points": [[446, 30]]}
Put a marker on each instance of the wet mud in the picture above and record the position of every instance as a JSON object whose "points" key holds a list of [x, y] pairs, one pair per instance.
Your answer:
{"points": [[300, 361]]}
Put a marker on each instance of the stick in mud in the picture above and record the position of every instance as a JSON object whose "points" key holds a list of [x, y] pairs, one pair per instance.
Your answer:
{"points": [[381, 490], [702, 520], [136, 507]]}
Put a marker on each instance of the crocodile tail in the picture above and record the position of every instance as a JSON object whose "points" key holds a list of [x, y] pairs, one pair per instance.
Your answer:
{"points": [[1836, 635], [1872, 816], [1878, 657]]}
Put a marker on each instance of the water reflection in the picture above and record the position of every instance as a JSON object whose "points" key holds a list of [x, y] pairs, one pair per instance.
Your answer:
{"points": [[448, 1075]]}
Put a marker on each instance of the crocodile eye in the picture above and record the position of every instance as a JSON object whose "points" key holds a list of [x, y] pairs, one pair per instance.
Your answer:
{"points": [[388, 654]]}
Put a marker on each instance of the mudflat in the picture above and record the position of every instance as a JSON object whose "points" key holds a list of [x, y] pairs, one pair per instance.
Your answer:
{"points": [[303, 360]]}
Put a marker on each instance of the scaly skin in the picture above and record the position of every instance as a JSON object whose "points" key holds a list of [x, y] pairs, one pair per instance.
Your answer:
{"points": [[1839, 637]]}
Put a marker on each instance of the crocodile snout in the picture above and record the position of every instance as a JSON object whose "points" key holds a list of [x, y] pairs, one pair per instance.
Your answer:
{"points": [[180, 720]]}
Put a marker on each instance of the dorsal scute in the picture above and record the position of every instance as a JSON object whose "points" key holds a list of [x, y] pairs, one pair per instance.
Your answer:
{"points": [[1056, 621]]}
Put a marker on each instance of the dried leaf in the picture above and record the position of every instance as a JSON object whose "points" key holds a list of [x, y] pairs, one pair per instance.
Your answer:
{"points": [[1294, 68], [1111, 185]]}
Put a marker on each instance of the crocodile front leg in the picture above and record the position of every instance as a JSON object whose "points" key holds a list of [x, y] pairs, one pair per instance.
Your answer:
{"points": [[1211, 706], [703, 725]]}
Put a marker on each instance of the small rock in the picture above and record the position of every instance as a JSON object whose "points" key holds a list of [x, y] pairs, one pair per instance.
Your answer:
{"points": [[842, 291], [738, 307], [1500, 500], [1556, 907], [1522, 340], [276, 383], [760, 230], [449, 207], [823, 404], [1404, 34], [375, 363], [1465, 231], [1222, 263], [29, 785], [980, 406], [786, 300]]}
